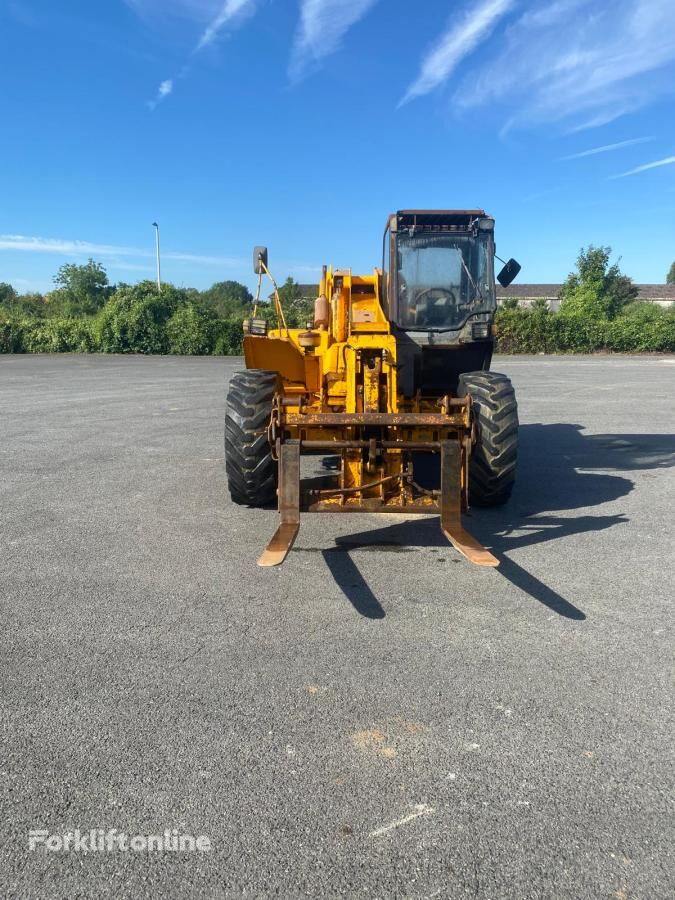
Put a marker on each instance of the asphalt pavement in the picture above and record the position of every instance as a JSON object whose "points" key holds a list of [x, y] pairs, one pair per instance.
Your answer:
{"points": [[375, 718]]}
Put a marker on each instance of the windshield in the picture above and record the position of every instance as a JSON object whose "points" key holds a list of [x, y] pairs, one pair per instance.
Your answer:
{"points": [[443, 279]]}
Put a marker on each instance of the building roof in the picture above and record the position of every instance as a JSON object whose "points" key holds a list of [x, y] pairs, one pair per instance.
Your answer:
{"points": [[309, 290], [552, 291], [539, 291], [656, 291], [529, 291]]}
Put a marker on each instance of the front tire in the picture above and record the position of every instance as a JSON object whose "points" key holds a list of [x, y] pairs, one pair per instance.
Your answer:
{"points": [[492, 471], [251, 471]]}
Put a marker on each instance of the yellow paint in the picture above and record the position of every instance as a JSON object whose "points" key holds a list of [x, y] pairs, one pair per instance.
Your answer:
{"points": [[350, 366]]}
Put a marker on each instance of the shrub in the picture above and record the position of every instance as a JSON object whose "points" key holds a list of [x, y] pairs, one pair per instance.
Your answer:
{"points": [[642, 332], [227, 299], [190, 331], [58, 336], [134, 319], [639, 328], [524, 330], [227, 337], [642, 311], [11, 335]]}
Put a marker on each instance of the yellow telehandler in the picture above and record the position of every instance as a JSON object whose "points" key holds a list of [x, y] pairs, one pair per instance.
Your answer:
{"points": [[394, 367]]}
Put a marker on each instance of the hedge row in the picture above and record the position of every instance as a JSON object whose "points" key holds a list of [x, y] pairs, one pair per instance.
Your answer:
{"points": [[148, 327], [186, 332], [641, 327]]}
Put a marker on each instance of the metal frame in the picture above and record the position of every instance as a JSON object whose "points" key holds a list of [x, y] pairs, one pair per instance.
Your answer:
{"points": [[451, 507], [451, 502], [289, 505]]}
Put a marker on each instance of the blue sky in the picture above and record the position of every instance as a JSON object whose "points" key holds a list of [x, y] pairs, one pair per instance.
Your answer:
{"points": [[301, 123]]}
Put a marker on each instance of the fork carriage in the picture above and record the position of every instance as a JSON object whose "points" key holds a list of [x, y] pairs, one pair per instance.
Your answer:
{"points": [[376, 472]]}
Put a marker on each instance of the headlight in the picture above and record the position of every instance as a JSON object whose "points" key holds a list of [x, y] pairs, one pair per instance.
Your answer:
{"points": [[255, 326]]}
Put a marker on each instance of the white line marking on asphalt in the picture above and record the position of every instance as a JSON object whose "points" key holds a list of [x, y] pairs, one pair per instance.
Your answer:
{"points": [[421, 809]]}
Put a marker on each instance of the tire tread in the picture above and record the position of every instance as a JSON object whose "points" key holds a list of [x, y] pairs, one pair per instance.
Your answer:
{"points": [[251, 471], [492, 470]]}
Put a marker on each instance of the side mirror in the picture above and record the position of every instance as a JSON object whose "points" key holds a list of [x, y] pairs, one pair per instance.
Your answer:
{"points": [[508, 273], [260, 256]]}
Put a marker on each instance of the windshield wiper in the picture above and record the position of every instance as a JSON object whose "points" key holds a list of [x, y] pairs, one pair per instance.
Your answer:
{"points": [[477, 293]]}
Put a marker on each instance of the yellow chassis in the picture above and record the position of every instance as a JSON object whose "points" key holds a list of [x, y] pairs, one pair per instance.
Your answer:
{"points": [[338, 393]]}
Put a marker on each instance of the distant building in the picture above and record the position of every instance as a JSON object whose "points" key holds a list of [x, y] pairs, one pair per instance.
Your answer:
{"points": [[663, 294], [308, 291], [526, 294]]}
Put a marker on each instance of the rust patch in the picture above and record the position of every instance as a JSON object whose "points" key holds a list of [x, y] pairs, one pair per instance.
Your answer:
{"points": [[413, 727], [372, 741]]}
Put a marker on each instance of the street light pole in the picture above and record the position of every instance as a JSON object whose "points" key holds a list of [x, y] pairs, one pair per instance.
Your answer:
{"points": [[159, 271]]}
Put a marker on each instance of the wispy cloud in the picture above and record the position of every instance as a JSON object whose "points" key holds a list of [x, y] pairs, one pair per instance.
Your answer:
{"points": [[607, 148], [231, 10], [163, 91], [668, 161], [218, 17], [323, 24], [461, 39], [133, 259], [579, 63], [61, 247]]}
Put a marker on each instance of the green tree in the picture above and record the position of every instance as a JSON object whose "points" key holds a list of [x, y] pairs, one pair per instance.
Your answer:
{"points": [[135, 319], [596, 290], [227, 298], [7, 294], [670, 277], [289, 292], [190, 331], [33, 304], [227, 337], [80, 290], [22, 304], [298, 310]]}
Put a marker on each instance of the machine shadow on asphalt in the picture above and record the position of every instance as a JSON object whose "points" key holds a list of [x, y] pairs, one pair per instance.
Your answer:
{"points": [[564, 470]]}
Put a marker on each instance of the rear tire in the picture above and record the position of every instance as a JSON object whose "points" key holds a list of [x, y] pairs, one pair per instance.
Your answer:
{"points": [[251, 471], [492, 471]]}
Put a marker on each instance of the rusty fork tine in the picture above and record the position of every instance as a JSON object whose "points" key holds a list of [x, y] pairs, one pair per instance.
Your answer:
{"points": [[451, 508], [289, 506]]}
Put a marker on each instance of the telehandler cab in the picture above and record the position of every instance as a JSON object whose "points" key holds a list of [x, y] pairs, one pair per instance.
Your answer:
{"points": [[395, 366]]}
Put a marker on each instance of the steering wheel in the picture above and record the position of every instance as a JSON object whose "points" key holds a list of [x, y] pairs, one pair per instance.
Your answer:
{"points": [[428, 313], [437, 290]]}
